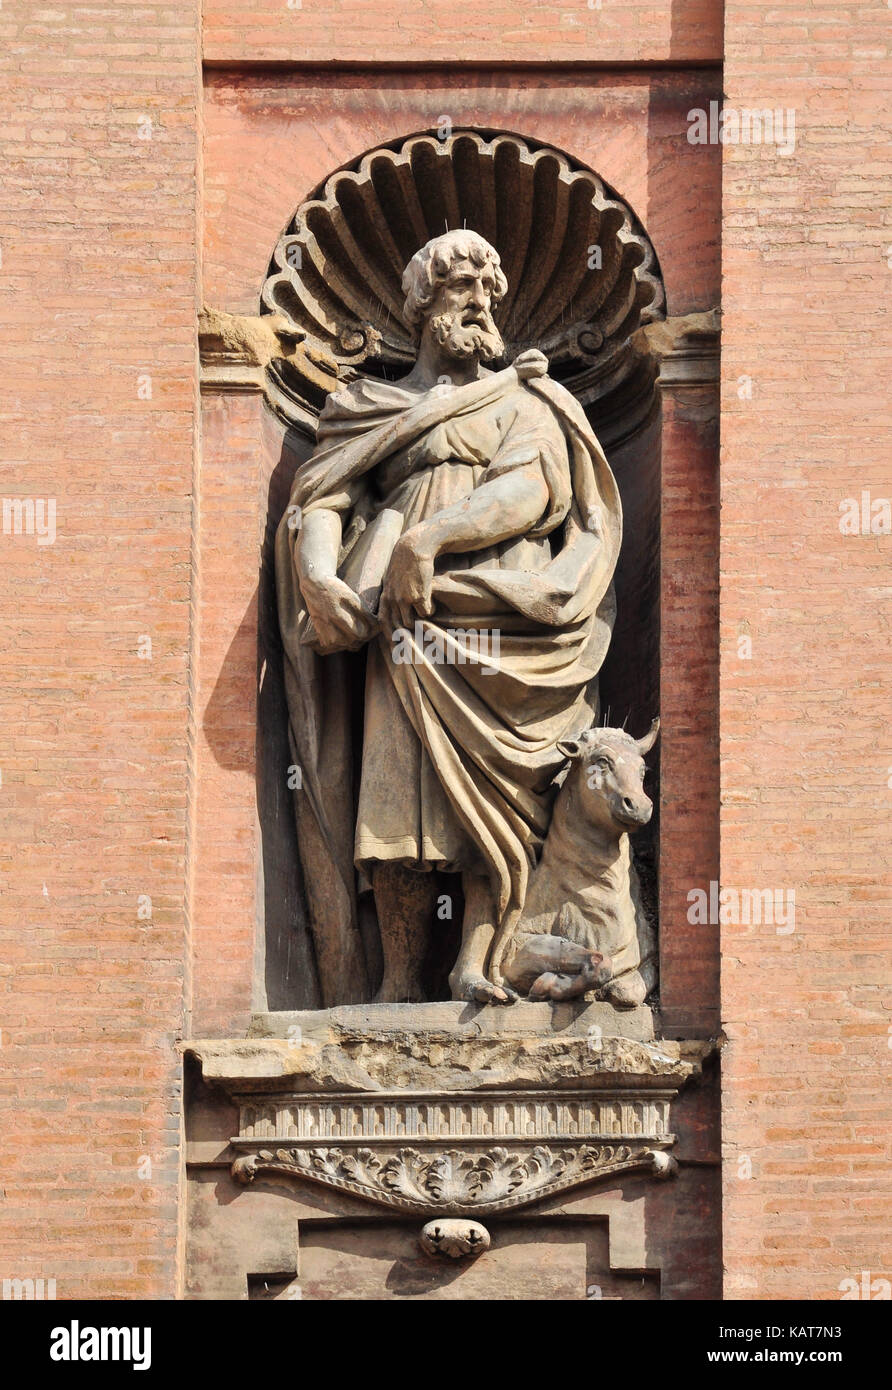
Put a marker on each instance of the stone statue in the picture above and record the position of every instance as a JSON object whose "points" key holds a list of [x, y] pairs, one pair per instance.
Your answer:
{"points": [[444, 580], [583, 924]]}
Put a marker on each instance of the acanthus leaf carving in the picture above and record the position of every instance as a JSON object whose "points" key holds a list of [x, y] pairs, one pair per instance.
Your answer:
{"points": [[456, 1180]]}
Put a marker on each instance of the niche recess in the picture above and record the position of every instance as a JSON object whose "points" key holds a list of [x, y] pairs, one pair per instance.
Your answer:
{"points": [[583, 279]]}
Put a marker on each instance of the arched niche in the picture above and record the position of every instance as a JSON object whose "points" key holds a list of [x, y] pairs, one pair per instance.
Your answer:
{"points": [[583, 279], [582, 275]]}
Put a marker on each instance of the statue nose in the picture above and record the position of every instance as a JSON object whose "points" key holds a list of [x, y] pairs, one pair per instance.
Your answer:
{"points": [[636, 808]]}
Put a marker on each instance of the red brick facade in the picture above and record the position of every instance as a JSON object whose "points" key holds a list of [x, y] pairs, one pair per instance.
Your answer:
{"points": [[99, 274], [138, 188], [804, 721]]}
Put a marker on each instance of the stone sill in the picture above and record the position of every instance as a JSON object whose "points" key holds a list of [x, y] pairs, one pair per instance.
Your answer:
{"points": [[449, 1047]]}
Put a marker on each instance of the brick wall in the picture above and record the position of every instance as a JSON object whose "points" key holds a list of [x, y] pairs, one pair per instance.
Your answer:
{"points": [[805, 741], [100, 260], [98, 276], [270, 138], [438, 31]]}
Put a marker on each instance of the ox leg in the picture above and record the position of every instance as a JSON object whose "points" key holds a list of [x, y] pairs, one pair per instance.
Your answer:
{"points": [[556, 986], [467, 979], [626, 991]]}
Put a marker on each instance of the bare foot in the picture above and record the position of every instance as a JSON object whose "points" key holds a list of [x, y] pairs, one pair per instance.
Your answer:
{"points": [[479, 990]]}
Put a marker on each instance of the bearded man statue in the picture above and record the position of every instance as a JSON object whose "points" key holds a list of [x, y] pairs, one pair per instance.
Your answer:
{"points": [[459, 529]]}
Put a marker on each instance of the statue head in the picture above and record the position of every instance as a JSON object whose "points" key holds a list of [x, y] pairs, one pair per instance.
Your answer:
{"points": [[610, 779], [451, 286]]}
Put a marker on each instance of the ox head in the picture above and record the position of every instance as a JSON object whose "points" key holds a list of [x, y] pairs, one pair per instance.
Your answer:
{"points": [[610, 776]]}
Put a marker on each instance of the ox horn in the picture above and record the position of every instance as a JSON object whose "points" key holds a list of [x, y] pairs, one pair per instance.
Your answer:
{"points": [[645, 744]]}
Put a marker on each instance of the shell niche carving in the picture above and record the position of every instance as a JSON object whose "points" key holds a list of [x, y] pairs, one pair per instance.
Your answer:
{"points": [[582, 274]]}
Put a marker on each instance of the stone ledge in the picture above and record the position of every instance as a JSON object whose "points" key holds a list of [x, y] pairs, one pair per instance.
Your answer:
{"points": [[456, 1020], [450, 1108], [374, 1049]]}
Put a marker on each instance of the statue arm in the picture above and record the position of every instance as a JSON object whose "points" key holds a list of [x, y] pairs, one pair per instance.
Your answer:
{"points": [[341, 621], [318, 546], [506, 506]]}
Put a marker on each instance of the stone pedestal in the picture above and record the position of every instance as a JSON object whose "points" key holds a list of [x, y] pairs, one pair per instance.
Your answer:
{"points": [[449, 1117]]}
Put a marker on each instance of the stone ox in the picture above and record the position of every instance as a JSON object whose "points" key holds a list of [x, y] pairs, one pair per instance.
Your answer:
{"points": [[583, 926]]}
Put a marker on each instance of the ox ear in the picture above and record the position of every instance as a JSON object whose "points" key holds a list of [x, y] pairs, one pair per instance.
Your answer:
{"points": [[645, 744], [574, 747]]}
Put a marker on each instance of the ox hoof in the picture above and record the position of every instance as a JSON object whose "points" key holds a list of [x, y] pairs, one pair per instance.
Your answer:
{"points": [[556, 987], [627, 992], [478, 990]]}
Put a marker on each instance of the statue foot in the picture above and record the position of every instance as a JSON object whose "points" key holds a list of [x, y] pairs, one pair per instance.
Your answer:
{"points": [[627, 992], [478, 990]]}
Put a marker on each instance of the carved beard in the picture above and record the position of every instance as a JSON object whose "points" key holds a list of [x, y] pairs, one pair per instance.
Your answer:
{"points": [[459, 341]]}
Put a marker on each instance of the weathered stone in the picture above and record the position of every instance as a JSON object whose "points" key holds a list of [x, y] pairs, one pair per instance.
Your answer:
{"points": [[379, 1102], [461, 1019], [503, 530], [454, 1240], [366, 1059], [583, 922]]}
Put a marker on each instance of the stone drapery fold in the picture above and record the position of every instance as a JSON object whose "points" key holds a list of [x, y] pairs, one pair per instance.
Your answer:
{"points": [[488, 722]]}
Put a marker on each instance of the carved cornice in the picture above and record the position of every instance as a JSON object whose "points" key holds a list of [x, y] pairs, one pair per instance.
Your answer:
{"points": [[449, 1109], [456, 1117], [236, 351], [454, 1180], [674, 353], [467, 1152], [687, 348]]}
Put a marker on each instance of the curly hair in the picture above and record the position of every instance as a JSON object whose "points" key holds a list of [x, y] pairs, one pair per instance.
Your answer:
{"points": [[429, 267]]}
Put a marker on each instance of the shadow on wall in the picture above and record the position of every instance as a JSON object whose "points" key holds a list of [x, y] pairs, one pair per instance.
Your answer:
{"points": [[630, 682], [285, 972]]}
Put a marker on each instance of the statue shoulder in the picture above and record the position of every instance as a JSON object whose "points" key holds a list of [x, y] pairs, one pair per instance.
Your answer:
{"points": [[346, 395], [532, 372], [362, 396], [562, 402]]}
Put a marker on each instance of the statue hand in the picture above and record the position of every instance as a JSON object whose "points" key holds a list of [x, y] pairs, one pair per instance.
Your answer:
{"points": [[409, 581], [341, 620]]}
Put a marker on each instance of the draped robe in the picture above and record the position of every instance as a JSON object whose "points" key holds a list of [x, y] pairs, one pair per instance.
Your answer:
{"points": [[458, 752]]}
